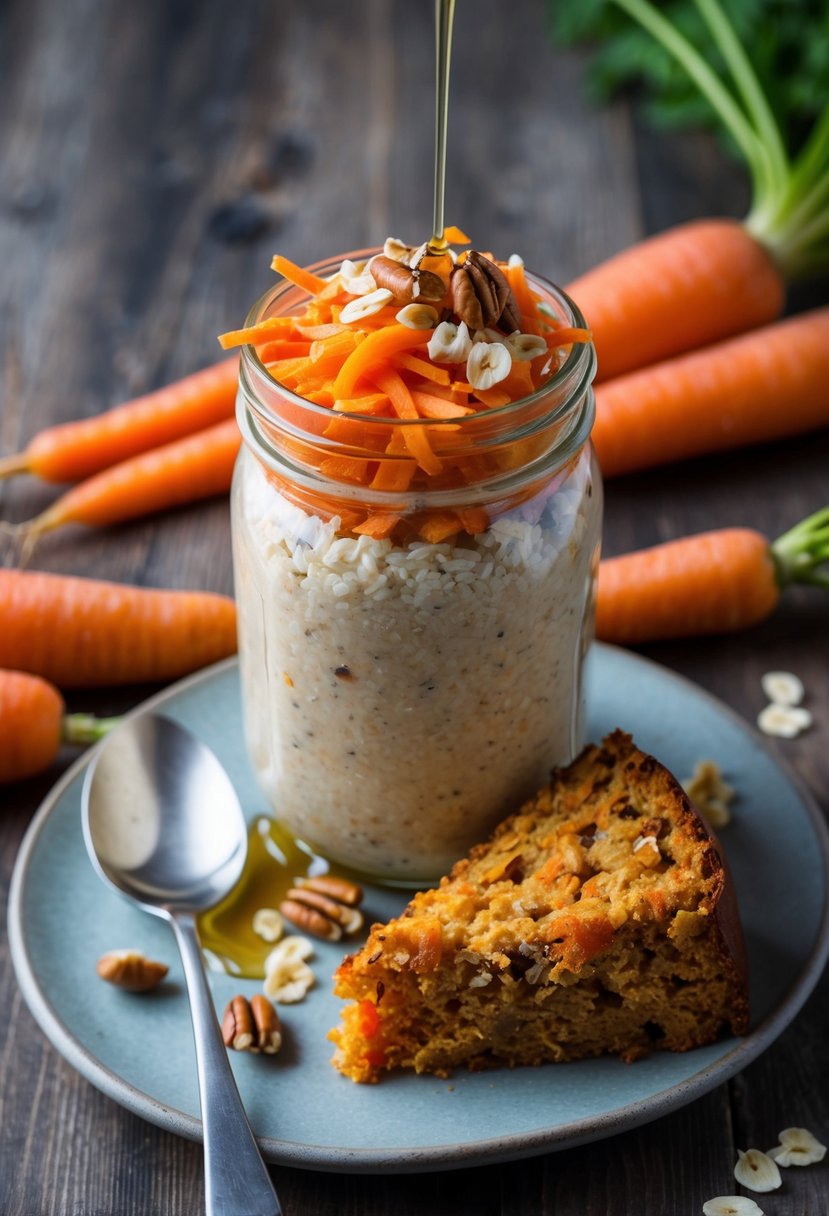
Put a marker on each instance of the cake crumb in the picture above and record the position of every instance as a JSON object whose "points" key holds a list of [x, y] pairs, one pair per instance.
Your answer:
{"points": [[710, 793]]}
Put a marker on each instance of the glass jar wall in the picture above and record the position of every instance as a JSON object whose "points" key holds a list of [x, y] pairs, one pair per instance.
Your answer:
{"points": [[411, 658]]}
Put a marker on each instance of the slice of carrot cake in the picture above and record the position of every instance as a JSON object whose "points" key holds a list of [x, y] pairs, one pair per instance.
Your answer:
{"points": [[598, 918]]}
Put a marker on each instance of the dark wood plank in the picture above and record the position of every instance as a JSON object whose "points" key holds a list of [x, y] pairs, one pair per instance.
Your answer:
{"points": [[152, 157]]}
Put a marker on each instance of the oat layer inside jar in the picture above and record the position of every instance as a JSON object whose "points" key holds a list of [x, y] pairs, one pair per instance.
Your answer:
{"points": [[399, 700]]}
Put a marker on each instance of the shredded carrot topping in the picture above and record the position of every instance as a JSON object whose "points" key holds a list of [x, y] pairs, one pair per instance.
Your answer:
{"points": [[398, 402], [311, 283]]}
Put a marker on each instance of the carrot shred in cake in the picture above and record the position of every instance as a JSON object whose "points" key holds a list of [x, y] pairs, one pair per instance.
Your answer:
{"points": [[598, 918]]}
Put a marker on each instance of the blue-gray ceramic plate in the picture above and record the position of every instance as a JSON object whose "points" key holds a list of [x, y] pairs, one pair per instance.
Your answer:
{"points": [[140, 1051]]}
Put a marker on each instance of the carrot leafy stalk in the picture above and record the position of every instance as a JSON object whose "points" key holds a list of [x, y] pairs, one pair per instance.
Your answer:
{"points": [[708, 279], [714, 582], [790, 208], [801, 555]]}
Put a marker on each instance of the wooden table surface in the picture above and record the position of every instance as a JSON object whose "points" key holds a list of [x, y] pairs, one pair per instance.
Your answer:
{"points": [[152, 158]]}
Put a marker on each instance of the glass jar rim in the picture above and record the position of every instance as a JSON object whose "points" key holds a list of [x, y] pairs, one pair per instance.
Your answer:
{"points": [[579, 366], [563, 404]]}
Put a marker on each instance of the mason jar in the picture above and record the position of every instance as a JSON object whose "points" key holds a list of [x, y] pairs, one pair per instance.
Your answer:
{"points": [[408, 684]]}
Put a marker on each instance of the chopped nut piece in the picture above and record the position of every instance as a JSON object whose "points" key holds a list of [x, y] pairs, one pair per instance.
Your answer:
{"points": [[784, 721], [418, 316], [481, 980], [524, 347], [356, 279], [290, 950], [131, 969], [417, 254], [450, 343], [646, 851], [365, 306], [252, 1025], [710, 794], [797, 1147], [783, 688], [289, 987], [488, 335], [397, 250], [287, 975], [268, 924], [757, 1171], [488, 364], [731, 1205]]}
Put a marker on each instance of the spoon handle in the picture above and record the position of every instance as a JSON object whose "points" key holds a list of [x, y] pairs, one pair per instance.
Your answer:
{"points": [[237, 1182]]}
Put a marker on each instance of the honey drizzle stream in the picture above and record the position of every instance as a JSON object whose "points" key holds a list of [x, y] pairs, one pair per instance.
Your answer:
{"points": [[444, 20], [275, 860]]}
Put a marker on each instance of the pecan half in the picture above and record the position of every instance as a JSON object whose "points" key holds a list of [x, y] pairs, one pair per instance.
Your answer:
{"points": [[406, 284], [252, 1025], [341, 889], [131, 969], [325, 906], [319, 914], [481, 295]]}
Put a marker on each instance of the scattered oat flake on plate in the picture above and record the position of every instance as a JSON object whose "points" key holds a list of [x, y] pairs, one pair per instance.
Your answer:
{"points": [[797, 1147], [784, 721], [757, 1171], [783, 688], [731, 1205]]}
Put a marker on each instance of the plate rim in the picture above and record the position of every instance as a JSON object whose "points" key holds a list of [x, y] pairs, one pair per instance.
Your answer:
{"points": [[400, 1159]]}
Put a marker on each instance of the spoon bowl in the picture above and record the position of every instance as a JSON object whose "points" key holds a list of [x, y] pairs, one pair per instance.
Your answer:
{"points": [[162, 822], [164, 828]]}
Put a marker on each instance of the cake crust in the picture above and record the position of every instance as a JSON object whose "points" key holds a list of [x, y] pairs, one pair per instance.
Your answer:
{"points": [[600, 917]]}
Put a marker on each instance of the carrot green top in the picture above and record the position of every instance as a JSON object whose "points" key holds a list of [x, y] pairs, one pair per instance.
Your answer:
{"points": [[410, 334]]}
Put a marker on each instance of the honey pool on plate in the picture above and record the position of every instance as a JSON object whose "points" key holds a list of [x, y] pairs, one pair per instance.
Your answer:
{"points": [[275, 861]]}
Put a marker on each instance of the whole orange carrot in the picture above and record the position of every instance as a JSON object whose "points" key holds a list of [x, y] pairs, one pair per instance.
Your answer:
{"points": [[703, 282], [190, 469], [714, 582], [764, 385], [33, 725], [74, 450], [697, 283], [82, 633]]}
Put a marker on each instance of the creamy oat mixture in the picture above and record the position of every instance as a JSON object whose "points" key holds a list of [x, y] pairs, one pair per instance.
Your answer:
{"points": [[400, 700]]}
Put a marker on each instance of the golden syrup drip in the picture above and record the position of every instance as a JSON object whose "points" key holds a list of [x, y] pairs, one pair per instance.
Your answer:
{"points": [[274, 862], [444, 20]]}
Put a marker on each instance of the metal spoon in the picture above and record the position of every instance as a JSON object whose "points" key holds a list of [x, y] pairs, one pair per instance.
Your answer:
{"points": [[163, 826]]}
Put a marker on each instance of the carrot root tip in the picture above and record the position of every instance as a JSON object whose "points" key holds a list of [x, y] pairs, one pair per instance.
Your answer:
{"points": [[10, 466]]}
